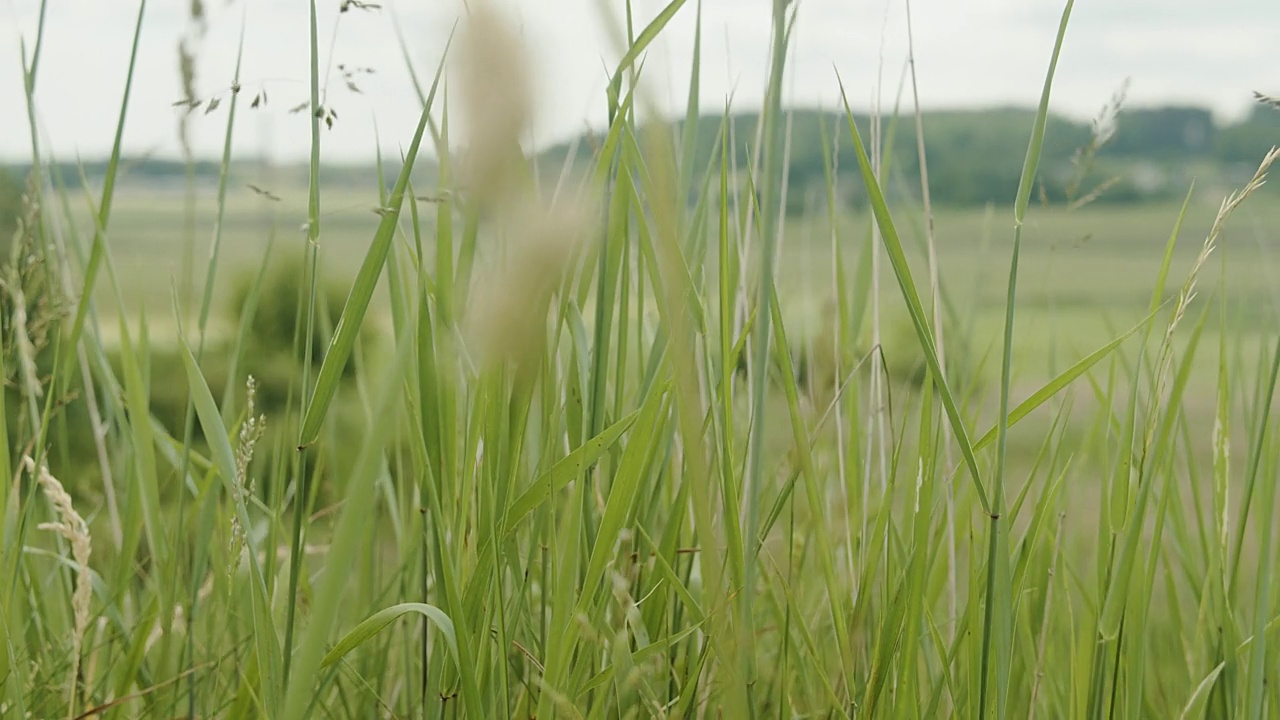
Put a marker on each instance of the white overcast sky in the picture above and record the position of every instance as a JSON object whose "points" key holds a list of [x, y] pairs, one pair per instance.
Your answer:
{"points": [[969, 53]]}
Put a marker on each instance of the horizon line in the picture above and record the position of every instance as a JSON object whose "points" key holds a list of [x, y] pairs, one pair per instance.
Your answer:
{"points": [[1220, 119]]}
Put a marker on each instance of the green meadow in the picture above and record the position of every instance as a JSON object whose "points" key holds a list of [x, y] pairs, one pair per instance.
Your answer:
{"points": [[643, 438]]}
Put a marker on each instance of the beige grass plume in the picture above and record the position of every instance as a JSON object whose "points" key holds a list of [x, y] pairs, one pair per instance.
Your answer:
{"points": [[1187, 293], [507, 313], [71, 526], [507, 317], [497, 101]]}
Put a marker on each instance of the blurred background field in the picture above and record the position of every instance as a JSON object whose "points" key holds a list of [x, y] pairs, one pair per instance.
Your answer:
{"points": [[1087, 272]]}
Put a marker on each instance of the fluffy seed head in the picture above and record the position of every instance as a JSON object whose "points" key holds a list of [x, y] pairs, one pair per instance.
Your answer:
{"points": [[497, 101], [71, 526], [509, 310]]}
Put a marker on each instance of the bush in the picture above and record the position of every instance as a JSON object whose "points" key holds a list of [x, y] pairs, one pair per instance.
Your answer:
{"points": [[11, 189], [277, 318]]}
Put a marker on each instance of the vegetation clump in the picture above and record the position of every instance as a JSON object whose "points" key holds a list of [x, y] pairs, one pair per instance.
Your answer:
{"points": [[615, 449]]}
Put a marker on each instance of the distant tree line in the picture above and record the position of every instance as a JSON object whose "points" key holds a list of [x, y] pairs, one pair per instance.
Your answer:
{"points": [[974, 157]]}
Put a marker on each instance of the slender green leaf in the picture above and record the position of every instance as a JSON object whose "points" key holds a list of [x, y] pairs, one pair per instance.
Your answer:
{"points": [[376, 622], [572, 466], [353, 312]]}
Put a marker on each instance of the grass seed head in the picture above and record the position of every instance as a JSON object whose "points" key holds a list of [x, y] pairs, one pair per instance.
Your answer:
{"points": [[250, 433], [71, 526], [508, 314], [497, 101]]}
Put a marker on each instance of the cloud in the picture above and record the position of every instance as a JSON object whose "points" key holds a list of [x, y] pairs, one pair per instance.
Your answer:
{"points": [[979, 52]]}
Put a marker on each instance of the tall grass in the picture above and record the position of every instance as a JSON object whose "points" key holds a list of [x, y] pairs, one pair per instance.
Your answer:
{"points": [[547, 490]]}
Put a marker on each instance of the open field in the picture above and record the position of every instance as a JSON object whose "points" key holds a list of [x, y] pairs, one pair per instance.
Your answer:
{"points": [[1086, 274]]}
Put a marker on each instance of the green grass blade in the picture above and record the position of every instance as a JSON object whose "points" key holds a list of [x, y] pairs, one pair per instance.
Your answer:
{"points": [[108, 194], [268, 651], [376, 622], [357, 507], [910, 294], [1262, 601], [622, 495], [145, 475], [353, 312], [1056, 385], [825, 553], [572, 466], [636, 49], [1031, 162], [1197, 704], [771, 182], [997, 626]]}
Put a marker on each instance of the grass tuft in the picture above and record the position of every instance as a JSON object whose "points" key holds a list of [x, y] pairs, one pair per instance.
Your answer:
{"points": [[637, 433]]}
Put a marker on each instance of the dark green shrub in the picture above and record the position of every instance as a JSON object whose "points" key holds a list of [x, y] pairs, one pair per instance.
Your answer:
{"points": [[279, 314], [11, 189]]}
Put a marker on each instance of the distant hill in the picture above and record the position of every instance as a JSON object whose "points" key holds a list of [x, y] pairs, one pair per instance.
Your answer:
{"points": [[974, 156], [163, 174]]}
